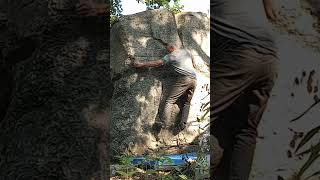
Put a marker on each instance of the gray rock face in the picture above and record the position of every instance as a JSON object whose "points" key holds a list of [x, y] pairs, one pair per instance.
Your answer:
{"points": [[139, 94], [299, 19]]}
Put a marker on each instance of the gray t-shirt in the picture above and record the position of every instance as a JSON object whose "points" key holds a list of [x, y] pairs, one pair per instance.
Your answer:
{"points": [[181, 61], [244, 21]]}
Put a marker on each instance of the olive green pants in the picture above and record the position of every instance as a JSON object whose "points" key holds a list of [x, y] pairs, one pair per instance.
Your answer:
{"points": [[241, 81]]}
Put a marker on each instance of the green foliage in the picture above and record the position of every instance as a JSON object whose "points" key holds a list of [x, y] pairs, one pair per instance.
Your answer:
{"points": [[113, 20], [182, 176], [125, 159], [313, 151], [116, 8], [127, 174], [312, 158], [115, 11], [154, 4], [161, 158], [308, 136], [128, 169], [206, 109], [176, 7]]}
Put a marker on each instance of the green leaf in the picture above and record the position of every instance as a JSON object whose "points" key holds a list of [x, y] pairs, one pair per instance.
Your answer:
{"points": [[309, 150], [308, 136], [207, 111], [168, 160], [313, 156], [124, 174], [177, 168], [184, 177], [131, 173], [150, 171], [168, 177]]}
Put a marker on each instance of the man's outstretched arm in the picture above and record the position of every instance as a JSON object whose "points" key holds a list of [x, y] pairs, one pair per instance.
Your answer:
{"points": [[146, 64]]}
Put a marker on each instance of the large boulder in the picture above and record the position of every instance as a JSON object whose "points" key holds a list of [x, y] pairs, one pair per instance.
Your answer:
{"points": [[139, 94]]}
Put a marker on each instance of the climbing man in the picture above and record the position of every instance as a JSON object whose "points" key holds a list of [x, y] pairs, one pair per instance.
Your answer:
{"points": [[181, 63], [242, 76]]}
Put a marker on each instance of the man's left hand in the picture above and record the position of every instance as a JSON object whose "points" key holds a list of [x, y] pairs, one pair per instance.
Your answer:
{"points": [[270, 10], [137, 64]]}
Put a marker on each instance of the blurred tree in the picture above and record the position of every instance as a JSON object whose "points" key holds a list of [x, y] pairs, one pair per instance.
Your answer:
{"points": [[115, 11], [171, 5], [116, 8]]}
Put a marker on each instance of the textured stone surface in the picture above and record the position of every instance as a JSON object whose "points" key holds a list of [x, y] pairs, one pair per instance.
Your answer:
{"points": [[195, 35], [139, 94], [299, 19]]}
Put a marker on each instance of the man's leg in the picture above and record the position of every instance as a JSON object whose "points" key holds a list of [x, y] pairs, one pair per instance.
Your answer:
{"points": [[222, 140], [252, 105], [226, 91], [229, 78], [235, 70], [178, 88], [236, 132], [187, 103]]}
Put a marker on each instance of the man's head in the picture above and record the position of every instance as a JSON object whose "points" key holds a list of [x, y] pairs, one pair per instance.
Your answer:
{"points": [[171, 47]]}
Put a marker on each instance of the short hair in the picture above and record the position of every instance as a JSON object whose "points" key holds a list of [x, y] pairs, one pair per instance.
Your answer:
{"points": [[172, 45]]}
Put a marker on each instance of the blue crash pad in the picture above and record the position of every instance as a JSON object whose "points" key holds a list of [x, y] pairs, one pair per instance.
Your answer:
{"points": [[177, 159]]}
